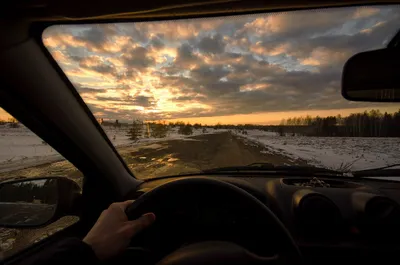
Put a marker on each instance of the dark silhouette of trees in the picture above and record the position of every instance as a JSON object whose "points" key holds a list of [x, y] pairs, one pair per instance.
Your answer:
{"points": [[366, 124], [186, 129], [158, 130], [371, 123], [197, 125], [116, 124], [136, 130]]}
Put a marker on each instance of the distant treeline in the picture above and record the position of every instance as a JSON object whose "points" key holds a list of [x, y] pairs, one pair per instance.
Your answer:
{"points": [[365, 124]]}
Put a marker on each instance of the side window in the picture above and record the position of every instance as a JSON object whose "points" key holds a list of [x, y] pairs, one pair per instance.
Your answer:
{"points": [[24, 155]]}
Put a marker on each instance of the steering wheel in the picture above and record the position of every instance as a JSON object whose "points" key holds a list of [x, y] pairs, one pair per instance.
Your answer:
{"points": [[218, 252]]}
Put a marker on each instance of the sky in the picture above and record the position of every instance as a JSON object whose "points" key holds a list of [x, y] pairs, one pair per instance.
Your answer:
{"points": [[256, 68]]}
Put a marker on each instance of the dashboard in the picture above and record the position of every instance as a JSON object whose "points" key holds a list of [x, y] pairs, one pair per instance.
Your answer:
{"points": [[329, 218]]}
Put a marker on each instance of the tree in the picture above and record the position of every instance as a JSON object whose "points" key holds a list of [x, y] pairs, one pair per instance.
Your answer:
{"points": [[185, 129], [197, 125], [366, 124], [135, 131], [147, 132], [158, 130], [281, 131]]}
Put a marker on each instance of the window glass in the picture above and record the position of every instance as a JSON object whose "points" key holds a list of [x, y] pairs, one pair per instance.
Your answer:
{"points": [[183, 96], [25, 155]]}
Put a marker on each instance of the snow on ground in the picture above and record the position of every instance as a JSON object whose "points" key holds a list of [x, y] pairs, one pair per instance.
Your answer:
{"points": [[338, 153], [119, 138], [21, 148]]}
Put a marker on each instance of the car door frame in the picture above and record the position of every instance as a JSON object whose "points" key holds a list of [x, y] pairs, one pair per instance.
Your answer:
{"points": [[60, 117]]}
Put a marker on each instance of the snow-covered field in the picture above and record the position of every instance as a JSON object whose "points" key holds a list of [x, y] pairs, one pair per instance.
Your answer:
{"points": [[21, 148], [119, 136], [340, 153]]}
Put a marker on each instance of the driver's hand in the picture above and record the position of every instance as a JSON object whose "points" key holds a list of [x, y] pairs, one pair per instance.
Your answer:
{"points": [[112, 232]]}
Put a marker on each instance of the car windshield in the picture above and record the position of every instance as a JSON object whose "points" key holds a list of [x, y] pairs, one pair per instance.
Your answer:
{"points": [[184, 96]]}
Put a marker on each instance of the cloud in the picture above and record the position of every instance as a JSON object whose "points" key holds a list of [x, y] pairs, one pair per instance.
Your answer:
{"points": [[89, 90], [363, 12], [212, 44], [97, 64], [323, 56], [185, 56], [137, 58], [222, 66], [143, 101], [156, 42]]}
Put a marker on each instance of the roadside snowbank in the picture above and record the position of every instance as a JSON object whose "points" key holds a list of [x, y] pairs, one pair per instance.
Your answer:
{"points": [[339, 153]]}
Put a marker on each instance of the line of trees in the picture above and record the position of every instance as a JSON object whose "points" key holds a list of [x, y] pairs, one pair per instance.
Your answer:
{"points": [[371, 123], [140, 129], [366, 124]]}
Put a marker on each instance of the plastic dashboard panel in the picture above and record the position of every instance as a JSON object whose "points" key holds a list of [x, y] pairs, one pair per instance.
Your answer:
{"points": [[354, 234]]}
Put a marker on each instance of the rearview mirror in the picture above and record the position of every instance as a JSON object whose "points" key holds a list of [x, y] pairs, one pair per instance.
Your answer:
{"points": [[37, 202], [372, 76]]}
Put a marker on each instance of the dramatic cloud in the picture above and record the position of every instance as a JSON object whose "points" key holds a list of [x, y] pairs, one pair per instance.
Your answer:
{"points": [[211, 67], [143, 101], [212, 44], [89, 90]]}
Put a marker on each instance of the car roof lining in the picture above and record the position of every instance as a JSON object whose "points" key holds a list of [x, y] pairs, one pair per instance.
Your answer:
{"points": [[67, 10]]}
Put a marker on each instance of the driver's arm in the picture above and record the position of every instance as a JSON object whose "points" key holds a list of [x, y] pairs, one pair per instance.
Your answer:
{"points": [[109, 237]]}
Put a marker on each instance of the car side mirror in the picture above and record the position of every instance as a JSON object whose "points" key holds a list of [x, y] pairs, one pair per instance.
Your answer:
{"points": [[372, 76], [36, 202]]}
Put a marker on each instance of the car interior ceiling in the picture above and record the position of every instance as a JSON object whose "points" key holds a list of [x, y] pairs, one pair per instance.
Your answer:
{"points": [[60, 117]]}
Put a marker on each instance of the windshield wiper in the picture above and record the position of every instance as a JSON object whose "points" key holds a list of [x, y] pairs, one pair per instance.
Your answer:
{"points": [[378, 172], [267, 167]]}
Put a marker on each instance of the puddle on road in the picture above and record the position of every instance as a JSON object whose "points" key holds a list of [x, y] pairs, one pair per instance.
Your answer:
{"points": [[162, 166], [135, 149]]}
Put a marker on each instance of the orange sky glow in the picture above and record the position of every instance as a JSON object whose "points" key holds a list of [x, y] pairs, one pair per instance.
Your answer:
{"points": [[256, 69]]}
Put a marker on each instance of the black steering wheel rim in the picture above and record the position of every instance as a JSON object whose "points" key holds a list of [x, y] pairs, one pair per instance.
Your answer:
{"points": [[144, 202]]}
